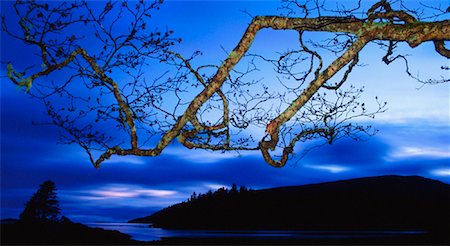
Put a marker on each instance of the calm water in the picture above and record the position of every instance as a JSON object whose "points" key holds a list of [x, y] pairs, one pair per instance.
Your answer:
{"points": [[144, 233]]}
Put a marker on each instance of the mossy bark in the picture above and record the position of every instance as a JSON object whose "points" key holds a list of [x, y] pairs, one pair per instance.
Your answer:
{"points": [[411, 31]]}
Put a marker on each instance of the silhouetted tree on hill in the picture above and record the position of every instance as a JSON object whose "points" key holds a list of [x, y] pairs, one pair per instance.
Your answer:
{"points": [[41, 223], [385, 203], [234, 189], [43, 206], [220, 193]]}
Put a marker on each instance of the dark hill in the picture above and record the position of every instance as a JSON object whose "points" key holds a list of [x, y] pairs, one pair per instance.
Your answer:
{"points": [[376, 203]]}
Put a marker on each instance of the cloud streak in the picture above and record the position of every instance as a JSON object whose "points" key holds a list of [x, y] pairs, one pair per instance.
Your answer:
{"points": [[419, 152], [328, 168], [121, 192], [442, 172], [200, 156]]}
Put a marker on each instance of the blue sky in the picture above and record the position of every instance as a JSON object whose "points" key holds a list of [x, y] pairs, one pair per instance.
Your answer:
{"points": [[413, 139]]}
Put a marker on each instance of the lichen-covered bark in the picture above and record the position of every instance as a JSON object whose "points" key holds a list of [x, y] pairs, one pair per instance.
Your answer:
{"points": [[274, 126], [412, 31]]}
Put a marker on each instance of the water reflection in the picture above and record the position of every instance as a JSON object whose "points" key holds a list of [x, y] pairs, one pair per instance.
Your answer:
{"points": [[140, 232], [143, 232]]}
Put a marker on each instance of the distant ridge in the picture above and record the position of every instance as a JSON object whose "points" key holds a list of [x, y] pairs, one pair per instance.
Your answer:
{"points": [[374, 203]]}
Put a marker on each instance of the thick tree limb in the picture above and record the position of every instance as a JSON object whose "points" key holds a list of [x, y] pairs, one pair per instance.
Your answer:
{"points": [[386, 25]]}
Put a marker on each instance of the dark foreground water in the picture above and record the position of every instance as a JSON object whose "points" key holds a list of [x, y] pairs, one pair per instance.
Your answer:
{"points": [[142, 232]]}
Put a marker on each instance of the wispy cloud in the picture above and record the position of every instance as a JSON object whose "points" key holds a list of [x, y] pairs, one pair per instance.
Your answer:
{"points": [[204, 156], [415, 152], [121, 195], [216, 186], [443, 172], [125, 193], [127, 160], [128, 191], [328, 168]]}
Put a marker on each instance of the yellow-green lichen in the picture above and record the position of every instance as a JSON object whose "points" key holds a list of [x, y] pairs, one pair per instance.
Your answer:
{"points": [[26, 82], [233, 54], [15, 76], [370, 26], [9, 70]]}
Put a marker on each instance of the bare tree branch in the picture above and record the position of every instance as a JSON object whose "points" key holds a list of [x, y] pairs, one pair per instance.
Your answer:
{"points": [[211, 106]]}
